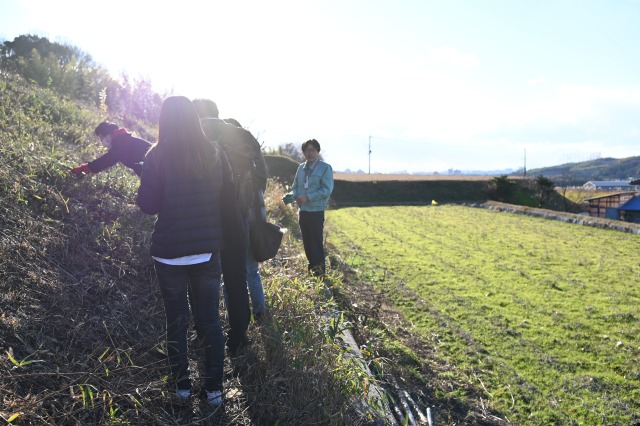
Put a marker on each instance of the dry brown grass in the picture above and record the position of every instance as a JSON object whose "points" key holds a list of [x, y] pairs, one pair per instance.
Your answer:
{"points": [[81, 317], [82, 323]]}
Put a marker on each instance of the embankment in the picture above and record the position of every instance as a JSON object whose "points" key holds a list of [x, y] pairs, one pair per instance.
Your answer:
{"points": [[408, 192]]}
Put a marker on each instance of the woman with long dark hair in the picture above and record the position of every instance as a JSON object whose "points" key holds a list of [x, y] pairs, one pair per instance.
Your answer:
{"points": [[184, 180]]}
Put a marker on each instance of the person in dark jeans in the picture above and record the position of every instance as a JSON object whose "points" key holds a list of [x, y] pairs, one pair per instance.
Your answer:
{"points": [[184, 182], [123, 147], [312, 188], [312, 229], [202, 281]]}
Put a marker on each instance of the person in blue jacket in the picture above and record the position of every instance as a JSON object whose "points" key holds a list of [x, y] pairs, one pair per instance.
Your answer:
{"points": [[123, 147], [312, 188]]}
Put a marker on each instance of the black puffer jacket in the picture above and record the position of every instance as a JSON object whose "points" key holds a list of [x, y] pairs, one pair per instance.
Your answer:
{"points": [[126, 149], [191, 212]]}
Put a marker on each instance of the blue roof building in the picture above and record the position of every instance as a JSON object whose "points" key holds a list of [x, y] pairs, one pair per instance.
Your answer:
{"points": [[608, 206], [630, 211]]}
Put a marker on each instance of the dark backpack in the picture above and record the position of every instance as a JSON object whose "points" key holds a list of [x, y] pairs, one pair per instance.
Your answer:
{"points": [[243, 151]]}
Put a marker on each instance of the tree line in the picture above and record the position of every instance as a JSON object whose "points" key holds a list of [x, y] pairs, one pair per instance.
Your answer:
{"points": [[70, 72]]}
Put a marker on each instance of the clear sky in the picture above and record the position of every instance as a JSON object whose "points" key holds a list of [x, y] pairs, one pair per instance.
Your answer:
{"points": [[431, 85]]}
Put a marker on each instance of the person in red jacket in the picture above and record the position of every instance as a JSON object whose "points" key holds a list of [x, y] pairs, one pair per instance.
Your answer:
{"points": [[123, 148]]}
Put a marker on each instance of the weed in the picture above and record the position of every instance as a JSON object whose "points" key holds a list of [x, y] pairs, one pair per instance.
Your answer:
{"points": [[23, 362]]}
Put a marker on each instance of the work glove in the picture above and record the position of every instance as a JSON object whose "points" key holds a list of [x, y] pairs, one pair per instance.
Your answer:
{"points": [[81, 169], [288, 198]]}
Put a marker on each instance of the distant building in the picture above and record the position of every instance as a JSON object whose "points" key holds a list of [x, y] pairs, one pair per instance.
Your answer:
{"points": [[609, 185], [609, 206], [630, 211]]}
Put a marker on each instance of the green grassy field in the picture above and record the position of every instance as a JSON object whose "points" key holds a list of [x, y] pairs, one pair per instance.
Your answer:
{"points": [[543, 315]]}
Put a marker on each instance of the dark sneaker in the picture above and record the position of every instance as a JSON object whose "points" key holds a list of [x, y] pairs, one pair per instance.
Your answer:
{"points": [[317, 271], [258, 317], [236, 344]]}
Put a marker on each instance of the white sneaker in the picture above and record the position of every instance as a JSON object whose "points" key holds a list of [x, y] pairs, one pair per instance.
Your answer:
{"points": [[214, 398], [183, 394]]}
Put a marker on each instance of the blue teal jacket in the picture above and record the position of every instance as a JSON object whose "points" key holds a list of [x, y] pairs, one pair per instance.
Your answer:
{"points": [[320, 186]]}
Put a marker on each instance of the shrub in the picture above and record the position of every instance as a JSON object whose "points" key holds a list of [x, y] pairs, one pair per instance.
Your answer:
{"points": [[281, 168]]}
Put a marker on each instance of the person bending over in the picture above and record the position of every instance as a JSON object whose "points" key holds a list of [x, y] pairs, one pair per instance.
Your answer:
{"points": [[122, 147]]}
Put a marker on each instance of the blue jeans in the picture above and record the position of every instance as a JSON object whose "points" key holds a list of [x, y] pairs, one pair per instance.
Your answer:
{"points": [[204, 296], [254, 282], [312, 229]]}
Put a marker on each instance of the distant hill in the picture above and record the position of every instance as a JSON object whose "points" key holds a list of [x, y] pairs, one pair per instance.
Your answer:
{"points": [[600, 169]]}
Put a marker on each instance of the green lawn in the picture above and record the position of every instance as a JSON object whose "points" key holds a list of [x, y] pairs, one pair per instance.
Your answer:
{"points": [[542, 314]]}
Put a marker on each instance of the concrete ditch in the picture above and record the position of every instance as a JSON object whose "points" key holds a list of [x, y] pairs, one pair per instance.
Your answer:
{"points": [[380, 406]]}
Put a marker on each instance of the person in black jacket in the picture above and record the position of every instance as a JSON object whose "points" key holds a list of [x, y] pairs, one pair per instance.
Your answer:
{"points": [[257, 212], [184, 181], [246, 158], [123, 148]]}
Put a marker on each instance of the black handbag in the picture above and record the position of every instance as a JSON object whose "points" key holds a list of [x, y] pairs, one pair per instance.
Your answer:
{"points": [[265, 239]]}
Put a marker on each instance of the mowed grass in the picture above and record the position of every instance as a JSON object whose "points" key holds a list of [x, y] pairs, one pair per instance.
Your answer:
{"points": [[541, 314]]}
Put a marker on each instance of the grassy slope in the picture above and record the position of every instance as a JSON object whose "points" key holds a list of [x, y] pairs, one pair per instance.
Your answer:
{"points": [[81, 320], [541, 315]]}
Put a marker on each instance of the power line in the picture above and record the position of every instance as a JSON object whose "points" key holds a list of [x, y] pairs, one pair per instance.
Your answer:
{"points": [[369, 154]]}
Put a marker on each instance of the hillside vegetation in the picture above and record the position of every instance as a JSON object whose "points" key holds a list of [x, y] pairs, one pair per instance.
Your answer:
{"points": [[81, 320], [70, 72], [281, 168]]}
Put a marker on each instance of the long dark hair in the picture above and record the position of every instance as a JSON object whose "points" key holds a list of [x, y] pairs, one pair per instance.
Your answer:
{"points": [[182, 147]]}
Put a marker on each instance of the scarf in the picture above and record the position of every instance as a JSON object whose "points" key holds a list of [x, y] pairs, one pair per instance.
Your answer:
{"points": [[120, 131]]}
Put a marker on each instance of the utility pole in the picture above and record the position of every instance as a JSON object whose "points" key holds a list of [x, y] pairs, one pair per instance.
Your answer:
{"points": [[525, 162], [369, 154]]}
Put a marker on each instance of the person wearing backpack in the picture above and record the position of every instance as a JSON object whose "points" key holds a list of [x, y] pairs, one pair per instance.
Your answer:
{"points": [[258, 212], [244, 155], [123, 148]]}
